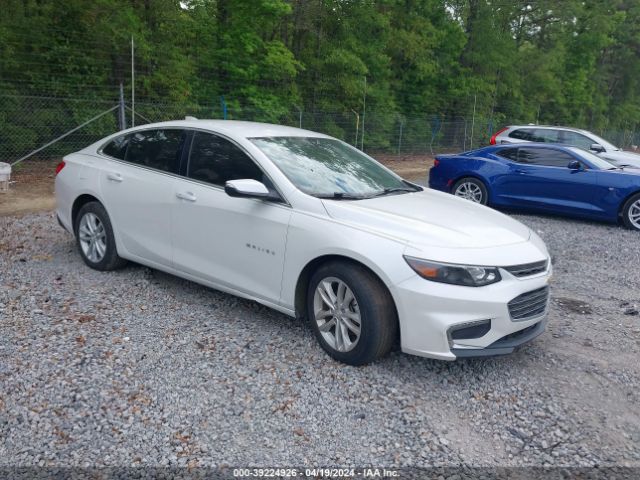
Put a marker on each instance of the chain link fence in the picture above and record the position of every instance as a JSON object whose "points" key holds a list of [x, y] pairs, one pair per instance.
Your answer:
{"points": [[28, 123]]}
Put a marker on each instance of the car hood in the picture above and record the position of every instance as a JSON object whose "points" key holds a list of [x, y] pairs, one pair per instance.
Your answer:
{"points": [[430, 218], [622, 157]]}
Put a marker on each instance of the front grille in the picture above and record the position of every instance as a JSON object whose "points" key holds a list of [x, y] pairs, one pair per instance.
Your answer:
{"points": [[527, 269], [529, 305]]}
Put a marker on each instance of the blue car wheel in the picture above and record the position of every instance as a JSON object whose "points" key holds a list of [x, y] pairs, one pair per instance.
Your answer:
{"points": [[472, 189], [631, 213]]}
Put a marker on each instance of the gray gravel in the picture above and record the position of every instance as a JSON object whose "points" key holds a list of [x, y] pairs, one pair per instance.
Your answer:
{"points": [[136, 367]]}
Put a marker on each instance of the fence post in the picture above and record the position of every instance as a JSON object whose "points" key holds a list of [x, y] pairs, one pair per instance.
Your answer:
{"points": [[122, 119], [357, 125], [400, 137], [223, 104], [364, 111], [434, 131], [464, 140], [473, 120], [133, 85], [299, 116]]}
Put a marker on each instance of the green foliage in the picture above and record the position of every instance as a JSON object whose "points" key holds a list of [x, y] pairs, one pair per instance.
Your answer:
{"points": [[575, 62]]}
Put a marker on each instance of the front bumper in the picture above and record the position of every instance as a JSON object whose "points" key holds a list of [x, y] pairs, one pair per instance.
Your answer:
{"points": [[505, 345], [429, 311]]}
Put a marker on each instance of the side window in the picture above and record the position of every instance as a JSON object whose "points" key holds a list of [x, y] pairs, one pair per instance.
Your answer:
{"points": [[159, 149], [117, 148], [576, 139], [544, 156], [509, 154], [523, 134], [216, 160], [545, 135]]}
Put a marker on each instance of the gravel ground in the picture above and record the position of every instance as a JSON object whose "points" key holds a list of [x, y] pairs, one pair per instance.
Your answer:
{"points": [[137, 367]]}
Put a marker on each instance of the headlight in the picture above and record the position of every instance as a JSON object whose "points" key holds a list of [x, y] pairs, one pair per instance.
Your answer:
{"points": [[467, 275]]}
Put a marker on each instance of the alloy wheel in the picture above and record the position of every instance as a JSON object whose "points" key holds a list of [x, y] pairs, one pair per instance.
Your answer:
{"points": [[337, 314], [634, 214], [93, 237], [469, 191]]}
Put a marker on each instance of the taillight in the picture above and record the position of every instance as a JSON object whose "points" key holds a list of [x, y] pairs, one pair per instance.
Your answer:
{"points": [[493, 138], [436, 162], [60, 167]]}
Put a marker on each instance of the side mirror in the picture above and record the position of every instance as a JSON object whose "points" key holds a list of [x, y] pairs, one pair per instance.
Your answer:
{"points": [[574, 165], [596, 147], [249, 188]]}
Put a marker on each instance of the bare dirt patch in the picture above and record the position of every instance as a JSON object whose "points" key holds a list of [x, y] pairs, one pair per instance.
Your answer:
{"points": [[31, 188], [413, 167], [574, 306]]}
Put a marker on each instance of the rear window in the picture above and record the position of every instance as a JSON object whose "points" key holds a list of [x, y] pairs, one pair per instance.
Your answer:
{"points": [[542, 135], [158, 149], [117, 148], [523, 134], [509, 154]]}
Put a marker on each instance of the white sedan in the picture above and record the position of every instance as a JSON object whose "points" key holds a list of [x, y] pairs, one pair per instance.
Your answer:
{"points": [[312, 227]]}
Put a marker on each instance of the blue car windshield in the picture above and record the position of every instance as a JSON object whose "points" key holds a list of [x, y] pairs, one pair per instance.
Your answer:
{"points": [[593, 159]]}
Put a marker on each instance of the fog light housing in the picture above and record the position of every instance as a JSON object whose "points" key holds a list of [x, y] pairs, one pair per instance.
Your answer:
{"points": [[468, 331]]}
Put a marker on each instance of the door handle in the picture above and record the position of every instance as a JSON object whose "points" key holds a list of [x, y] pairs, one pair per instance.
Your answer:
{"points": [[188, 196], [521, 171], [114, 177]]}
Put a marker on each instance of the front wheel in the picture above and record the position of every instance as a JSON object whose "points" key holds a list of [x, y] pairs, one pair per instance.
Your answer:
{"points": [[631, 213], [472, 189], [351, 312]]}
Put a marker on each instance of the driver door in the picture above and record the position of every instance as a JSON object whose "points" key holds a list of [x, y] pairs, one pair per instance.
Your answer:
{"points": [[235, 242], [540, 178]]}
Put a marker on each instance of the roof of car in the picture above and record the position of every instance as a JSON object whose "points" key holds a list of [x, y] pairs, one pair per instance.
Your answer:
{"points": [[560, 146], [531, 144], [237, 128], [579, 130]]}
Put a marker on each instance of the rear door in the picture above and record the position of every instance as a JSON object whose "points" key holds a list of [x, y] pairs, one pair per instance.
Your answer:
{"points": [[137, 184], [540, 178]]}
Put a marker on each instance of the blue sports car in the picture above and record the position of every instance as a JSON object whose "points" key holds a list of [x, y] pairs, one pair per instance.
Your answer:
{"points": [[544, 178]]}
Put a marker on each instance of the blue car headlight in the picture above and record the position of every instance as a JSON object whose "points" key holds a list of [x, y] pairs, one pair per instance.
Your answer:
{"points": [[465, 275]]}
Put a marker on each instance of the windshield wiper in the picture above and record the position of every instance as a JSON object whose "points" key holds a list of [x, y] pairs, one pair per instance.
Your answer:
{"points": [[387, 191], [341, 196]]}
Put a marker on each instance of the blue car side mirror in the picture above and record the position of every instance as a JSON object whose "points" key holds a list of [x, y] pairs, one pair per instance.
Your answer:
{"points": [[574, 165]]}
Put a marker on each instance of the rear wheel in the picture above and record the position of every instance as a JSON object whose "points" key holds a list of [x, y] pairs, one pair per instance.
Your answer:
{"points": [[95, 239], [631, 212], [472, 189], [351, 312]]}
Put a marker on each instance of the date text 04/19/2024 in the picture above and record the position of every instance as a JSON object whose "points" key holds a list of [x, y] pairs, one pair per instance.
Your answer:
{"points": [[316, 472]]}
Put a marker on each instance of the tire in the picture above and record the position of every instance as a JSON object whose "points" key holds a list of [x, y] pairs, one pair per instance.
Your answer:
{"points": [[631, 212], [92, 226], [471, 189], [371, 301]]}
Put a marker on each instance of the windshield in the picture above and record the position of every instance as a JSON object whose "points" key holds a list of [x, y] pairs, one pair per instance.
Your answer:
{"points": [[325, 167], [593, 159]]}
